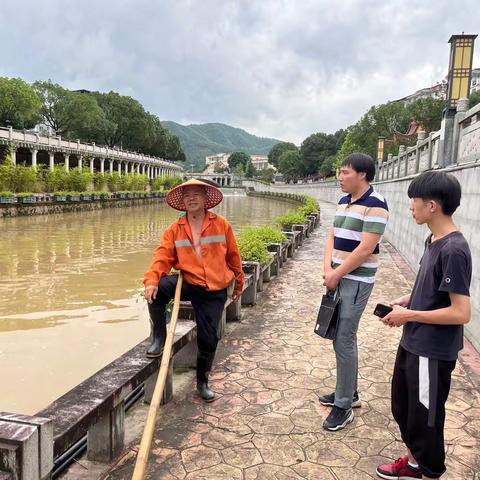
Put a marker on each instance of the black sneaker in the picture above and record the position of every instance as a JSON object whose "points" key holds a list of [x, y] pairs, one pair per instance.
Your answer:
{"points": [[338, 418], [329, 400]]}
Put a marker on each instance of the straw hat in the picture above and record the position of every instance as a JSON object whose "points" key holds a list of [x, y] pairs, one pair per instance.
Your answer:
{"points": [[175, 195]]}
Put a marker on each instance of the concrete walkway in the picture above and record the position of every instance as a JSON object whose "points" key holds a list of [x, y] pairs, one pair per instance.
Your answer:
{"points": [[267, 421]]}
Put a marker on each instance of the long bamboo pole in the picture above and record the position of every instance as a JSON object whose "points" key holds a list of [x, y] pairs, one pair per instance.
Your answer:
{"points": [[146, 443]]}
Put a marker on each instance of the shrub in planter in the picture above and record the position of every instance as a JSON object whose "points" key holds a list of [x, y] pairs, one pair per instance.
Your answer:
{"points": [[26, 197], [60, 196], [252, 248], [103, 195], [73, 196], [291, 218], [7, 197], [266, 233]]}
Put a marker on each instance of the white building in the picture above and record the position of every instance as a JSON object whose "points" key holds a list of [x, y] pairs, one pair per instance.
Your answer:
{"points": [[217, 160], [260, 162]]}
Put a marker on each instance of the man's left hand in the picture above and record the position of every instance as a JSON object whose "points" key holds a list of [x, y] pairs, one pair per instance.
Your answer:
{"points": [[331, 279], [397, 317], [236, 295]]}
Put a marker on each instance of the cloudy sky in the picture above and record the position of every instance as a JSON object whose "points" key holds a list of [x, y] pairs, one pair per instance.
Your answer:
{"points": [[281, 69]]}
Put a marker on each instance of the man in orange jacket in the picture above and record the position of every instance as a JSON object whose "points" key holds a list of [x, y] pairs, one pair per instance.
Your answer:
{"points": [[202, 246]]}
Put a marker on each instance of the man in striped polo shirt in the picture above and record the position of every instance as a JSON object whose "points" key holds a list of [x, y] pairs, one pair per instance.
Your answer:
{"points": [[350, 263]]}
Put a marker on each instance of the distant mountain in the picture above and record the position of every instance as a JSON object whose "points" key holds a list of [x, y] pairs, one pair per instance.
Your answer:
{"points": [[199, 141]]}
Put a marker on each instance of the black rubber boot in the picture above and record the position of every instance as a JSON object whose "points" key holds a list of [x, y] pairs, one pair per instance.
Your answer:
{"points": [[204, 366], [159, 334]]}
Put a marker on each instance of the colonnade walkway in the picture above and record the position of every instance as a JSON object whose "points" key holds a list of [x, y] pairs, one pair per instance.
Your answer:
{"points": [[267, 421]]}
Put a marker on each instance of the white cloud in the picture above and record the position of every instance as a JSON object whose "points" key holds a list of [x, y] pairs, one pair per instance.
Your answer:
{"points": [[276, 68]]}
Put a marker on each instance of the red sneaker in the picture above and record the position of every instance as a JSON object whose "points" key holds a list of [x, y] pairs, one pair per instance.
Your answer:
{"points": [[399, 470]]}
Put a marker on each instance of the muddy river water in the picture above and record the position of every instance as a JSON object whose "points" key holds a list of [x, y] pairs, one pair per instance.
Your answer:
{"points": [[69, 291]]}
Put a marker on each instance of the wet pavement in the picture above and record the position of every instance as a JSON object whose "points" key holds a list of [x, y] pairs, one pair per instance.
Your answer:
{"points": [[267, 421]]}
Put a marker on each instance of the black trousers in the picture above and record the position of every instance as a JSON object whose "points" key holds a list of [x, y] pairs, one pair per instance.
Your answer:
{"points": [[420, 388], [207, 305]]}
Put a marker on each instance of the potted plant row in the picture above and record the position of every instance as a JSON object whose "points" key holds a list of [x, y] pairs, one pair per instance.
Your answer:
{"points": [[8, 197]]}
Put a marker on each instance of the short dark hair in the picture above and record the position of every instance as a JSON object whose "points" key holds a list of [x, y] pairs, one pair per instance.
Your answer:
{"points": [[361, 163], [439, 186]]}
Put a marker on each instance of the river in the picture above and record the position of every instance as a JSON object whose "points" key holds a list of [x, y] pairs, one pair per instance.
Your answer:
{"points": [[69, 290]]}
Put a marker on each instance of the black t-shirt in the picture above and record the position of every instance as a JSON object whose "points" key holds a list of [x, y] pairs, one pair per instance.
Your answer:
{"points": [[446, 267]]}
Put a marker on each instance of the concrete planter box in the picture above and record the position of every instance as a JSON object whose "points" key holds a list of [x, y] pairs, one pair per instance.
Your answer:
{"points": [[96, 197], [301, 229], [86, 198], [249, 296], [12, 199], [73, 198], [276, 248], [30, 199], [60, 198], [288, 247]]}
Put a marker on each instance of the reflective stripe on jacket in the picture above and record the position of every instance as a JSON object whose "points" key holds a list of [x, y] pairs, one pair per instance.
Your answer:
{"points": [[218, 265]]}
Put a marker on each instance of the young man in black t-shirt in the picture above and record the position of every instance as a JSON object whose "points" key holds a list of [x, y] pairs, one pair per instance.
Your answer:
{"points": [[433, 317]]}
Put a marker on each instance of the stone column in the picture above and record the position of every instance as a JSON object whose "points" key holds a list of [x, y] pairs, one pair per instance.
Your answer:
{"points": [[92, 159], [102, 166], [34, 158], [51, 160], [119, 167], [126, 167], [80, 162], [111, 165], [66, 156], [13, 154]]}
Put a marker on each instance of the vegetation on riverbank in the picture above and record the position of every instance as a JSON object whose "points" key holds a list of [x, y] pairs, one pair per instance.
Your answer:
{"points": [[253, 241], [17, 178]]}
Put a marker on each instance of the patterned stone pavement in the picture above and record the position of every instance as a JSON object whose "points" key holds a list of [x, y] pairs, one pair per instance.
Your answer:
{"points": [[267, 421]]}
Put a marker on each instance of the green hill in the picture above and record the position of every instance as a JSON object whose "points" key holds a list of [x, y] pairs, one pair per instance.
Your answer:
{"points": [[199, 141]]}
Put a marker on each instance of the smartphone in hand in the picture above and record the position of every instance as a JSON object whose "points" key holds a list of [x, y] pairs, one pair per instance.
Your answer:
{"points": [[382, 310]]}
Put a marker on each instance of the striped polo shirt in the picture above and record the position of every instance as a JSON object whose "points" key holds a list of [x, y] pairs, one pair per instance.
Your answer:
{"points": [[367, 214]]}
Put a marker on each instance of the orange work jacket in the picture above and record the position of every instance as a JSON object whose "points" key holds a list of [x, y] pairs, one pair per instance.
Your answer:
{"points": [[219, 264]]}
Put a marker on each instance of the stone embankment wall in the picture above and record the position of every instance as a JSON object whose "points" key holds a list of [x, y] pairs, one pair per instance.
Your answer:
{"points": [[402, 231], [46, 208]]}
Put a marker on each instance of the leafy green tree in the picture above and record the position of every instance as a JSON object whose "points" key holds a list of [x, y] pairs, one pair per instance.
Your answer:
{"points": [[346, 149], [290, 165], [381, 120], [70, 114], [238, 158], [250, 169], [474, 98], [127, 123], [315, 149], [19, 104], [266, 175], [427, 112], [277, 150], [326, 169]]}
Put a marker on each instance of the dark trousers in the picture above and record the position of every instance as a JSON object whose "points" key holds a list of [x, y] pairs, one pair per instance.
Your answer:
{"points": [[420, 388], [207, 305]]}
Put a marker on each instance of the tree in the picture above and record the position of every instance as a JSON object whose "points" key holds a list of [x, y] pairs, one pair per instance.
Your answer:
{"points": [[71, 114], [427, 112], [250, 169], [346, 149], [326, 169], [127, 123], [19, 104], [238, 158], [315, 149], [290, 165], [381, 120], [277, 150], [474, 98]]}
